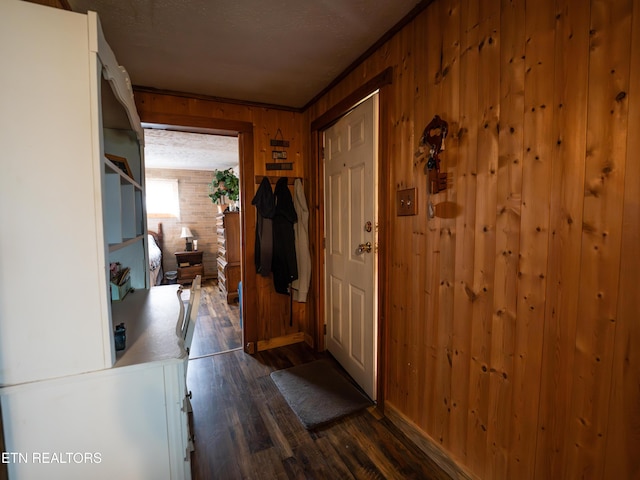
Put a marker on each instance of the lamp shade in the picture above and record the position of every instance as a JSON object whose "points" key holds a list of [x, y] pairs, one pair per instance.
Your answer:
{"points": [[186, 233]]}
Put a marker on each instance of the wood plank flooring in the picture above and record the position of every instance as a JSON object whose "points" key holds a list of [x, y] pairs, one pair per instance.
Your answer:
{"points": [[218, 325], [244, 429]]}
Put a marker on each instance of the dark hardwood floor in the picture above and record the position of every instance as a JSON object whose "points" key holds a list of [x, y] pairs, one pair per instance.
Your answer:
{"points": [[218, 326], [244, 429]]}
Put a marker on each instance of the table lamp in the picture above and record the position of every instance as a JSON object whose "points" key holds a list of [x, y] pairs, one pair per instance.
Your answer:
{"points": [[186, 234]]}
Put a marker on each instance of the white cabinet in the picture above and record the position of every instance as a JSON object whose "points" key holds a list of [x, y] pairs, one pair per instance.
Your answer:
{"points": [[64, 103], [54, 305], [66, 212], [131, 420], [125, 436]]}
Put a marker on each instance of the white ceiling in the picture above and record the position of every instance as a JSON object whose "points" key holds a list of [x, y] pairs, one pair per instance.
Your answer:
{"points": [[189, 151], [277, 52]]}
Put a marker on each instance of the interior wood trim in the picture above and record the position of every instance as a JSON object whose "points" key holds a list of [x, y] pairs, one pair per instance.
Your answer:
{"points": [[244, 131], [280, 341], [190, 123], [62, 4], [274, 179], [384, 239], [316, 224], [379, 82], [433, 450], [248, 271], [178, 128], [372, 49], [211, 98], [347, 103]]}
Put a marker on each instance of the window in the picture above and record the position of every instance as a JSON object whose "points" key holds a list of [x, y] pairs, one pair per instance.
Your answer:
{"points": [[162, 198]]}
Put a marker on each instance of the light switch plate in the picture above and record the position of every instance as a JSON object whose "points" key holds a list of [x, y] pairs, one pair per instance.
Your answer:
{"points": [[407, 201]]}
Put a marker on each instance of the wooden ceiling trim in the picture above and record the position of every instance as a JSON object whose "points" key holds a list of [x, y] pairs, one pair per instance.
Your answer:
{"points": [[381, 41], [347, 103]]}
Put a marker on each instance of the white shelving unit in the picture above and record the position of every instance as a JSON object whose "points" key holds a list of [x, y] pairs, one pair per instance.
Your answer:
{"points": [[124, 217], [67, 212]]}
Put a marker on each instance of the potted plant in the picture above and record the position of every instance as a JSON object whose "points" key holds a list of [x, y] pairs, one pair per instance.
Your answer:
{"points": [[225, 185]]}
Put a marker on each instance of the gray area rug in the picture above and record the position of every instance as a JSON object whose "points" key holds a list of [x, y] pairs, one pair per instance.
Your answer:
{"points": [[318, 393]]}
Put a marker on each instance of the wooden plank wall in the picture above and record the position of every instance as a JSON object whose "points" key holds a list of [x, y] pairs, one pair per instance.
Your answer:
{"points": [[272, 319], [513, 334]]}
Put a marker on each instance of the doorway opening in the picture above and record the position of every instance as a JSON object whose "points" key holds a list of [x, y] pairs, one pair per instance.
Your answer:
{"points": [[350, 163], [180, 167], [380, 83]]}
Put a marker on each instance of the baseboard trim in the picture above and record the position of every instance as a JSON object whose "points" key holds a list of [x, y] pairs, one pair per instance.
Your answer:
{"points": [[425, 443], [308, 339], [280, 341]]}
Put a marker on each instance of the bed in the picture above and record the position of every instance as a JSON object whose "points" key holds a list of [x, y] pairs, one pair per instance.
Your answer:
{"points": [[156, 267]]}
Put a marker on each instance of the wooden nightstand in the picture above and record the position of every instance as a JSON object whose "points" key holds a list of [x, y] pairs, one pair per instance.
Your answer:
{"points": [[189, 265]]}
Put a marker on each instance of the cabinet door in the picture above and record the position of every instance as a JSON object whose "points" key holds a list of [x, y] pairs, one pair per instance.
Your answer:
{"points": [[118, 416], [178, 407]]}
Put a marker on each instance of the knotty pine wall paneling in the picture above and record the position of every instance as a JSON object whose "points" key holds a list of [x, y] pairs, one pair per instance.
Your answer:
{"points": [[465, 179], [512, 329], [507, 237], [486, 148], [534, 234], [412, 246], [567, 197], [447, 80], [277, 309], [623, 435], [273, 324], [423, 252], [605, 162]]}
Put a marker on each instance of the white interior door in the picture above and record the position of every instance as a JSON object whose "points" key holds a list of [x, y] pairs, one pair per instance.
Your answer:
{"points": [[350, 151]]}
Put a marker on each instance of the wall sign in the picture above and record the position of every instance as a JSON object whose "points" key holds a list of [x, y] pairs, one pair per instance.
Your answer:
{"points": [[279, 153], [280, 166]]}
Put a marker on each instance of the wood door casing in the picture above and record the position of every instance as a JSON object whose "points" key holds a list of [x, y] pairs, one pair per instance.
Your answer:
{"points": [[244, 131], [350, 276]]}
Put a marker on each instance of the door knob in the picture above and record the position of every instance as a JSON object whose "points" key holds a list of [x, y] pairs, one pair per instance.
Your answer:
{"points": [[363, 248]]}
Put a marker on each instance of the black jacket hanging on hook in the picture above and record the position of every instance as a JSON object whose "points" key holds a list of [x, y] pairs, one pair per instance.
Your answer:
{"points": [[265, 203], [284, 264]]}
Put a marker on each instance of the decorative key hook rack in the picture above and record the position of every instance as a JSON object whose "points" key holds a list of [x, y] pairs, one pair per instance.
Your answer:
{"points": [[433, 138]]}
